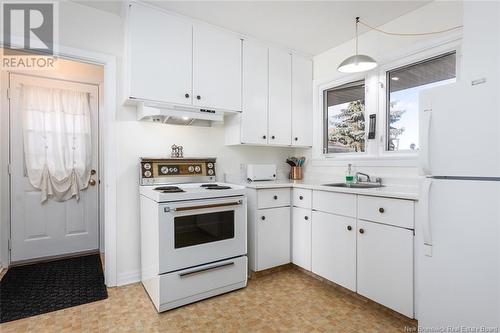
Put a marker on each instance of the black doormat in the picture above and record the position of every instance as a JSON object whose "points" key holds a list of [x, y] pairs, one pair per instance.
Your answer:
{"points": [[31, 290]]}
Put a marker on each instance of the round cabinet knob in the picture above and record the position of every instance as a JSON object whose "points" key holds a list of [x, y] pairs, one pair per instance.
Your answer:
{"points": [[210, 172], [381, 210], [272, 137], [198, 97], [296, 139], [164, 170], [275, 197], [262, 218], [349, 228], [186, 95], [147, 174], [197, 168], [92, 182], [263, 137], [191, 168], [306, 218], [301, 198], [361, 231], [147, 166]]}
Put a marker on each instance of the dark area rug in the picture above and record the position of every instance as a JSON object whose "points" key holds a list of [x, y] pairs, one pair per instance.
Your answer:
{"points": [[31, 290]]}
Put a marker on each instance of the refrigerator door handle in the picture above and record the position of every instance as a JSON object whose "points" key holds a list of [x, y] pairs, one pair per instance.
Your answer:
{"points": [[426, 216], [425, 145]]}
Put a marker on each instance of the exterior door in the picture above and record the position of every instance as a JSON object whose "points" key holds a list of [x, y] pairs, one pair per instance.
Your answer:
{"points": [[40, 230]]}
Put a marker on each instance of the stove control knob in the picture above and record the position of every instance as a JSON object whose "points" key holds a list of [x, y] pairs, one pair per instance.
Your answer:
{"points": [[190, 168], [210, 165], [210, 172], [147, 166], [164, 170], [175, 169], [147, 174], [197, 168]]}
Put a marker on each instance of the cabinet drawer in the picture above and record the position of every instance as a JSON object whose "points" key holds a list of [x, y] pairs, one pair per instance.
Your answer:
{"points": [[302, 198], [179, 286], [273, 197], [335, 203], [395, 212]]}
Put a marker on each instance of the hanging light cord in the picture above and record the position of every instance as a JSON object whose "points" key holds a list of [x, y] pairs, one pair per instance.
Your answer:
{"points": [[408, 34]]}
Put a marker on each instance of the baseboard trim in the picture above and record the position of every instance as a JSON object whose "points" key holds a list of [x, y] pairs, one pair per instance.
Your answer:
{"points": [[130, 277]]}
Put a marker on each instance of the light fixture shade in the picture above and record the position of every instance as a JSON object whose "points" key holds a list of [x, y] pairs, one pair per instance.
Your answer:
{"points": [[357, 63]]}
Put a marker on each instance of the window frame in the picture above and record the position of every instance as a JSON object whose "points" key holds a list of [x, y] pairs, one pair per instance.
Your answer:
{"points": [[385, 109], [324, 132], [375, 153]]}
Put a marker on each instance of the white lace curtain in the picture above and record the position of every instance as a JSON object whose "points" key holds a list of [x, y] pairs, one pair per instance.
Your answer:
{"points": [[57, 141]]}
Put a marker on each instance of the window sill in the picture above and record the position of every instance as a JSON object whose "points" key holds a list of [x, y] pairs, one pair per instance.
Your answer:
{"points": [[389, 160]]}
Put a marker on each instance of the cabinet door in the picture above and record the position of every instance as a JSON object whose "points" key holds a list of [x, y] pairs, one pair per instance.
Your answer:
{"points": [[385, 265], [301, 237], [160, 56], [217, 69], [255, 93], [273, 237], [280, 97], [301, 101], [334, 248]]}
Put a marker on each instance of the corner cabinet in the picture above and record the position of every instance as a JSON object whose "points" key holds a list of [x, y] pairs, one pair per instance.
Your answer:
{"points": [[173, 61], [277, 99]]}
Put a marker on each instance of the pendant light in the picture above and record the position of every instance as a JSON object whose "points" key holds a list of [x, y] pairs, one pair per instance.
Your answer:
{"points": [[358, 62]]}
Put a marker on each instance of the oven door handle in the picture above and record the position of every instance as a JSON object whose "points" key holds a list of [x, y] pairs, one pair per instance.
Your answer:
{"points": [[206, 269], [182, 209]]}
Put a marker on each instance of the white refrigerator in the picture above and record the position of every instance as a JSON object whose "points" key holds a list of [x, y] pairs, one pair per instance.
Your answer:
{"points": [[458, 220]]}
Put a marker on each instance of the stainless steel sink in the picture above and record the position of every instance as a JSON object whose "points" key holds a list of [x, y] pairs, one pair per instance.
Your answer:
{"points": [[355, 185]]}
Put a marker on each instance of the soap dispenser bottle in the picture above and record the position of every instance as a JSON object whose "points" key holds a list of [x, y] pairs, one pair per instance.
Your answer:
{"points": [[349, 178]]}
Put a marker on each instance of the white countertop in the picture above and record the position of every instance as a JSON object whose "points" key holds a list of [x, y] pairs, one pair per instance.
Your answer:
{"points": [[390, 191]]}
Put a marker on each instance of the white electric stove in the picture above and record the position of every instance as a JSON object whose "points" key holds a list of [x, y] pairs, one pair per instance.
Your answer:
{"points": [[193, 232]]}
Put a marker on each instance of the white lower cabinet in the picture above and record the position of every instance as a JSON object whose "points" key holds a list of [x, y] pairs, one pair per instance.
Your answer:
{"points": [[301, 237], [273, 237], [334, 248], [385, 265]]}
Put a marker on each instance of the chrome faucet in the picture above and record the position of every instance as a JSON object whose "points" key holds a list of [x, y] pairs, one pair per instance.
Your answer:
{"points": [[368, 179], [362, 174]]}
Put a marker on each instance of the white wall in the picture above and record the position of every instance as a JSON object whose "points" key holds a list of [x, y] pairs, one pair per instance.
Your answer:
{"points": [[384, 48]]}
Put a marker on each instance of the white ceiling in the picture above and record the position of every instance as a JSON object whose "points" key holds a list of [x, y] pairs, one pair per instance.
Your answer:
{"points": [[307, 26]]}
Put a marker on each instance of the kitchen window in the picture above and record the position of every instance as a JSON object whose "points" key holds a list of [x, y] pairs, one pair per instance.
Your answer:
{"points": [[403, 87], [344, 118]]}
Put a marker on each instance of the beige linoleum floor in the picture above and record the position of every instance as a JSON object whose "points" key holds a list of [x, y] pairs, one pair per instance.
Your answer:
{"points": [[284, 301]]}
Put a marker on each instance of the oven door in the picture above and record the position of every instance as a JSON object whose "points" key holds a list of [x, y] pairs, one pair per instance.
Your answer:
{"points": [[197, 232]]}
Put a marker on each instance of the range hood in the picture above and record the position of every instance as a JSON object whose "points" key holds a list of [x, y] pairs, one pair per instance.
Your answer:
{"points": [[178, 115]]}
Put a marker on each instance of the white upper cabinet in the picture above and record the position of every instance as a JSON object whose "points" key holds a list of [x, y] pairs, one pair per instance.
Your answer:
{"points": [[217, 69], [280, 97], [170, 60], [160, 56], [255, 93], [302, 77]]}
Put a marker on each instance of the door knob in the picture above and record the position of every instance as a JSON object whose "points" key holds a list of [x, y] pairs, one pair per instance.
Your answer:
{"points": [[92, 182]]}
